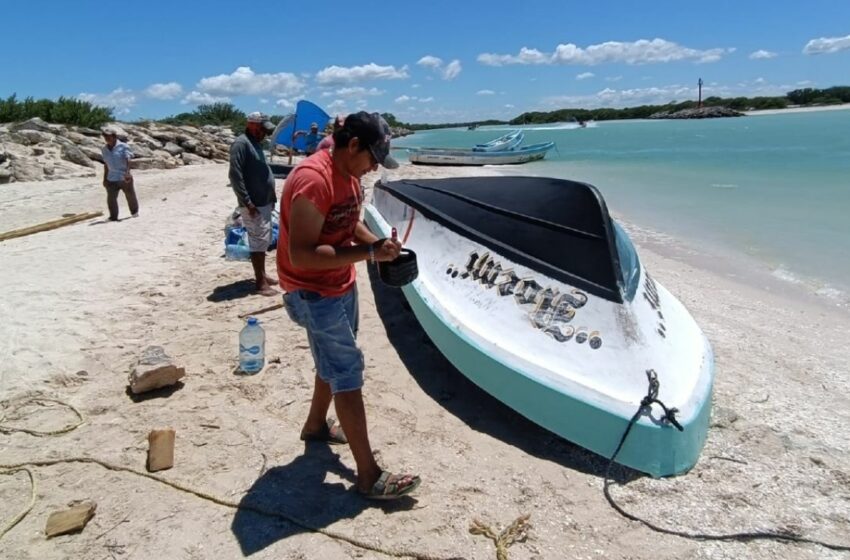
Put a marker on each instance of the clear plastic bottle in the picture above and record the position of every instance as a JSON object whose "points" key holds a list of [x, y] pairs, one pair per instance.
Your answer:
{"points": [[252, 346]]}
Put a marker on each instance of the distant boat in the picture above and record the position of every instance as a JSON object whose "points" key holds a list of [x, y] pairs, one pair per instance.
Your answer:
{"points": [[533, 292], [472, 127], [514, 155], [509, 141]]}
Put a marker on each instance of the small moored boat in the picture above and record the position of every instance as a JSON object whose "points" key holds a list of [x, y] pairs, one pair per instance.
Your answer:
{"points": [[534, 293], [520, 154]]}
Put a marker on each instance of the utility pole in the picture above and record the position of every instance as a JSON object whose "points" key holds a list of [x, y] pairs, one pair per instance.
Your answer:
{"points": [[699, 102]]}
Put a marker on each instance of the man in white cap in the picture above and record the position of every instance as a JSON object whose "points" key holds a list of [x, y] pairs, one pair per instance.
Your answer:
{"points": [[253, 182], [116, 173], [321, 237]]}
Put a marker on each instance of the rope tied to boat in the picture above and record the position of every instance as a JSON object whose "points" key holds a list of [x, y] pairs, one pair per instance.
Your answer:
{"points": [[783, 536], [652, 398]]}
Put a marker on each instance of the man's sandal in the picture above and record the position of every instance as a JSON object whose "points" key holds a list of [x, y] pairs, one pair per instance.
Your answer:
{"points": [[388, 486], [331, 433]]}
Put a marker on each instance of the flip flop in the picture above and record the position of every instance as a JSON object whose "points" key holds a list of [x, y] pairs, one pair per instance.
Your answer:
{"points": [[331, 433], [387, 488]]}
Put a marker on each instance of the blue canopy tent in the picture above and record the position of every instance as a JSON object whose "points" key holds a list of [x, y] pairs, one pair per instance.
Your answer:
{"points": [[305, 114]]}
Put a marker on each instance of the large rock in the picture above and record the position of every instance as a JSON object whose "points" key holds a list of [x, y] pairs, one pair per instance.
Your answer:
{"points": [[155, 369], [173, 149], [27, 169], [72, 153], [34, 123], [30, 137], [192, 159], [140, 150]]}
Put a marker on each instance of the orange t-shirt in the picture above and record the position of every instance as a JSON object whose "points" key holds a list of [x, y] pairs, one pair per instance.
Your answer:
{"points": [[338, 198]]}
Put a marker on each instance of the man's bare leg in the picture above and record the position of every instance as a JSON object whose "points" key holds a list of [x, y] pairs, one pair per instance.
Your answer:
{"points": [[317, 417], [352, 416], [258, 261]]}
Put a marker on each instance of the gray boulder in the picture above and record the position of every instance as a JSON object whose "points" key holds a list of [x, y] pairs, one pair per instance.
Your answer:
{"points": [[154, 369]]}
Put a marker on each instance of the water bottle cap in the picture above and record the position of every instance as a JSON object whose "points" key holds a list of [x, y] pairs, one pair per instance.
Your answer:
{"points": [[252, 321]]}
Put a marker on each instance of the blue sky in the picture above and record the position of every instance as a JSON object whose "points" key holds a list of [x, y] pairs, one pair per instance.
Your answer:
{"points": [[435, 61]]}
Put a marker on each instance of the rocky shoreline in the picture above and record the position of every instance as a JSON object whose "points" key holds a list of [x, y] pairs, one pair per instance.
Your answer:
{"points": [[700, 113], [35, 150]]}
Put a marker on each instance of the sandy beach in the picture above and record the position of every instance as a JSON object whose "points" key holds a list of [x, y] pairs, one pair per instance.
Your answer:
{"points": [[80, 303]]}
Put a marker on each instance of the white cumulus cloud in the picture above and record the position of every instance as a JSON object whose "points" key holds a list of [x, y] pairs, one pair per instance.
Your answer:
{"points": [[430, 61], [485, 92], [121, 100], [642, 51], [356, 91], [244, 81], [285, 103], [762, 54], [585, 75], [452, 70], [171, 90], [403, 99], [827, 45], [203, 98], [426, 99], [448, 72], [340, 75]]}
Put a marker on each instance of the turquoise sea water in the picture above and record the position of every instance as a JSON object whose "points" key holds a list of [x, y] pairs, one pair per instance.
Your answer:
{"points": [[773, 188]]}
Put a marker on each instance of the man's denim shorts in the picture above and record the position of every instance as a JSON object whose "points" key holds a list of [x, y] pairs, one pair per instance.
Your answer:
{"points": [[331, 324]]}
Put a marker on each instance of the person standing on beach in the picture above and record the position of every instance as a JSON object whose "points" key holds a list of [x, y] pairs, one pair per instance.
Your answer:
{"points": [[321, 237], [328, 141], [311, 138], [253, 182], [116, 173]]}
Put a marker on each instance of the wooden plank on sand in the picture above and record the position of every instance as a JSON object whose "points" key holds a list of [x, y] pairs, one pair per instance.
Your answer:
{"points": [[263, 310], [46, 226]]}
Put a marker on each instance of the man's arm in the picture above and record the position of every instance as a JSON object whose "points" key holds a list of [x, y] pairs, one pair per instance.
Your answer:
{"points": [[363, 235], [237, 179], [305, 226]]}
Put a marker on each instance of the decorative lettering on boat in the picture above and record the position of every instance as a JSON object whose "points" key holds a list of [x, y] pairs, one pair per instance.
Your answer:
{"points": [[552, 311], [650, 294]]}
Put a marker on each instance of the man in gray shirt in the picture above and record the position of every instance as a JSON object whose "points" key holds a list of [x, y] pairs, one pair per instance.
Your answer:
{"points": [[253, 182]]}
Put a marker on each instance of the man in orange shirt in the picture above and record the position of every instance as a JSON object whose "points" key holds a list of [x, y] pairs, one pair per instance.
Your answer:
{"points": [[321, 237]]}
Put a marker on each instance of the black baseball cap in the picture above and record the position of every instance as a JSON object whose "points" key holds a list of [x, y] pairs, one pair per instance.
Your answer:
{"points": [[374, 132]]}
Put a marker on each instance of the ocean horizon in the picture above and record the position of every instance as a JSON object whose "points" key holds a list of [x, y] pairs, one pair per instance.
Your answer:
{"points": [[766, 192]]}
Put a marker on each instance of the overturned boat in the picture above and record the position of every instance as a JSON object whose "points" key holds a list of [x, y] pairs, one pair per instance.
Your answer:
{"points": [[537, 295]]}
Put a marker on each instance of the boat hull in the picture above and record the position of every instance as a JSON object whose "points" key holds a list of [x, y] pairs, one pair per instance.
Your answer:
{"points": [[471, 158], [582, 416]]}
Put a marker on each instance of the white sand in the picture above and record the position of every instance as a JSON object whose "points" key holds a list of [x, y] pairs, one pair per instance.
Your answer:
{"points": [[840, 107], [91, 296]]}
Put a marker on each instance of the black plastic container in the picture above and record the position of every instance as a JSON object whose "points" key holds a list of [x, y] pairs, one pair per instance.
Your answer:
{"points": [[400, 272]]}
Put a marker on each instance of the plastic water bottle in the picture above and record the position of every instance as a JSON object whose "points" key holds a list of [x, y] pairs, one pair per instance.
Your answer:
{"points": [[252, 346]]}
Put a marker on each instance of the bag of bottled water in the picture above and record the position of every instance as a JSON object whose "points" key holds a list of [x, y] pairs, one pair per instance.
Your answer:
{"points": [[252, 345]]}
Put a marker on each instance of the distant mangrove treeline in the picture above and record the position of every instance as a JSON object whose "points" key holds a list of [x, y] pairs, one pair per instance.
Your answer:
{"points": [[798, 97], [72, 111]]}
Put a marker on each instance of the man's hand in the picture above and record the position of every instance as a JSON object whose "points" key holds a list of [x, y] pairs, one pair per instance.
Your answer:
{"points": [[105, 183], [252, 210], [386, 249]]}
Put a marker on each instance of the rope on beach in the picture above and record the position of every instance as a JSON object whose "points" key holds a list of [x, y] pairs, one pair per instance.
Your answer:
{"points": [[395, 552], [38, 433], [515, 532], [13, 468], [782, 536], [17, 519]]}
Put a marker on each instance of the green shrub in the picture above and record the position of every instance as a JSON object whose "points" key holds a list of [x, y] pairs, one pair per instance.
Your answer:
{"points": [[63, 111]]}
